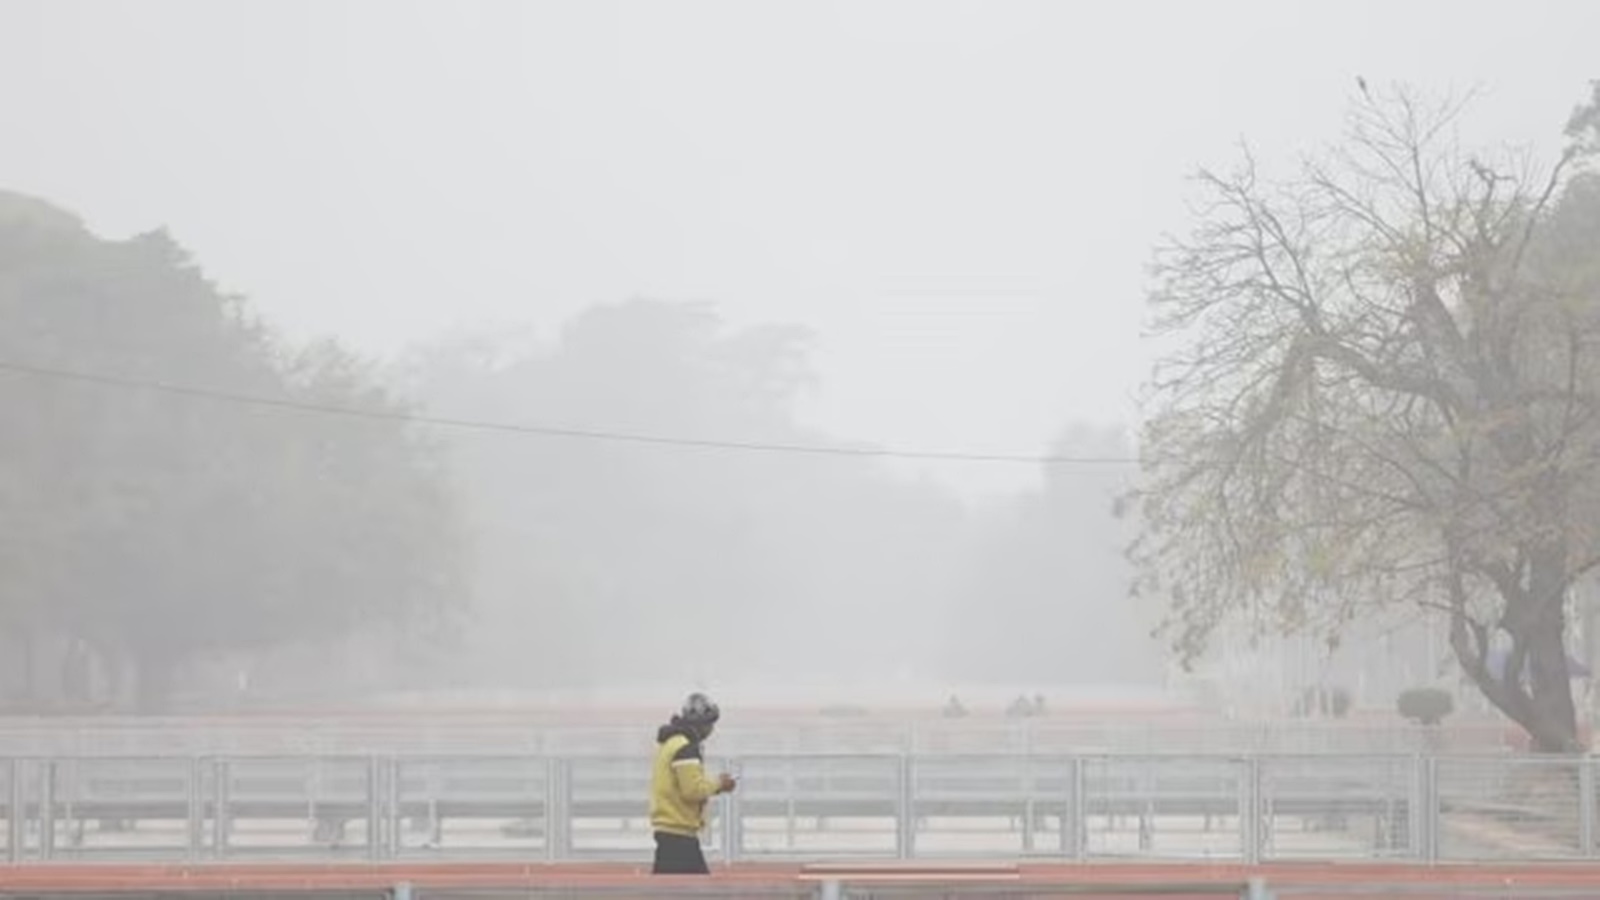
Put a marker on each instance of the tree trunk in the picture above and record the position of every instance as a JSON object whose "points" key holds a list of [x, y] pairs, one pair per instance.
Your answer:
{"points": [[1534, 687], [1536, 673], [1544, 630], [1554, 718]]}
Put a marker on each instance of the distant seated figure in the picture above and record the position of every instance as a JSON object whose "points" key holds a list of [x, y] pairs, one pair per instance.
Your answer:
{"points": [[953, 708]]}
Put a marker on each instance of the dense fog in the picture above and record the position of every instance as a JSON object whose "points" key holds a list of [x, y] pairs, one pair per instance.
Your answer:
{"points": [[358, 351]]}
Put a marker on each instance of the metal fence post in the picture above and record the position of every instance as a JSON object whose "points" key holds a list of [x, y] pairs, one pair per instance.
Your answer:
{"points": [[1416, 800], [1435, 808], [830, 889], [557, 792], [17, 815], [1256, 889], [47, 811], [1586, 806], [1075, 821], [1423, 808], [732, 832], [1250, 810], [1029, 807], [219, 808], [906, 821], [374, 812], [196, 833], [392, 810]]}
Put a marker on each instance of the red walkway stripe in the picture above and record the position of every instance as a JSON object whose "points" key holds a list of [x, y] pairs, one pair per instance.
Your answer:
{"points": [[289, 877]]}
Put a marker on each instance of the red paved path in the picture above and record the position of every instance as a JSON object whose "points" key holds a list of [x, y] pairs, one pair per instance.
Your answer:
{"points": [[292, 877]]}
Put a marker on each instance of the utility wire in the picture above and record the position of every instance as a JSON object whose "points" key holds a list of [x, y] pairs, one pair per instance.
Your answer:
{"points": [[23, 369]]}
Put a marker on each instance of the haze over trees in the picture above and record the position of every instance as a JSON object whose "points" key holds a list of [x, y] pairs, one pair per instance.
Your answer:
{"points": [[1386, 392], [190, 499], [626, 562], [1048, 577], [147, 531]]}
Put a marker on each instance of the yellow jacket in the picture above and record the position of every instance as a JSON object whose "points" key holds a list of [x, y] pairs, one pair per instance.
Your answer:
{"points": [[679, 786]]}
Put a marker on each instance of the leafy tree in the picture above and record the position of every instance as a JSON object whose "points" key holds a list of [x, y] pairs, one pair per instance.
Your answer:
{"points": [[158, 525], [1384, 392]]}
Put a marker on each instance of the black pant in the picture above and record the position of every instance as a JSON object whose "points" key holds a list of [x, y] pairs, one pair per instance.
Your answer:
{"points": [[679, 855]]}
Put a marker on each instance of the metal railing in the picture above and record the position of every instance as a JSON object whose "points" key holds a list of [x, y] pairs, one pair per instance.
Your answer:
{"points": [[842, 806], [180, 736]]}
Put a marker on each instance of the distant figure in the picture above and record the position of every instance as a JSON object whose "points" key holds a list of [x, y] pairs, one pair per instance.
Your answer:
{"points": [[1038, 704], [953, 708], [680, 789], [1020, 708]]}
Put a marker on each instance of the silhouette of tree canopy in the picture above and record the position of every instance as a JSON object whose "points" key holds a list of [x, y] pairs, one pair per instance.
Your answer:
{"points": [[615, 562], [1048, 581], [157, 528]]}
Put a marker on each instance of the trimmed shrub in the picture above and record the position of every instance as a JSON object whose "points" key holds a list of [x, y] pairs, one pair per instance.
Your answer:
{"points": [[1426, 705]]}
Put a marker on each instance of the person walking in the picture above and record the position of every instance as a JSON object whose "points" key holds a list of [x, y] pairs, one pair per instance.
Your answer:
{"points": [[680, 789]]}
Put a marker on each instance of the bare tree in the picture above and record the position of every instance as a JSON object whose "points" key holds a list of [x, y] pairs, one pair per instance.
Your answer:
{"points": [[1385, 393]]}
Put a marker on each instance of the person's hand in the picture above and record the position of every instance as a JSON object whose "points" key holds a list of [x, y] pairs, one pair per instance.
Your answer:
{"points": [[726, 783]]}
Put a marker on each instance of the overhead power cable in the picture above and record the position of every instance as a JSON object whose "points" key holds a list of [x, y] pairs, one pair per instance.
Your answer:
{"points": [[547, 431]]}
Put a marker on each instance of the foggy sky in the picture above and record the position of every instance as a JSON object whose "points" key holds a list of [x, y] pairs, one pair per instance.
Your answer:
{"points": [[959, 197]]}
